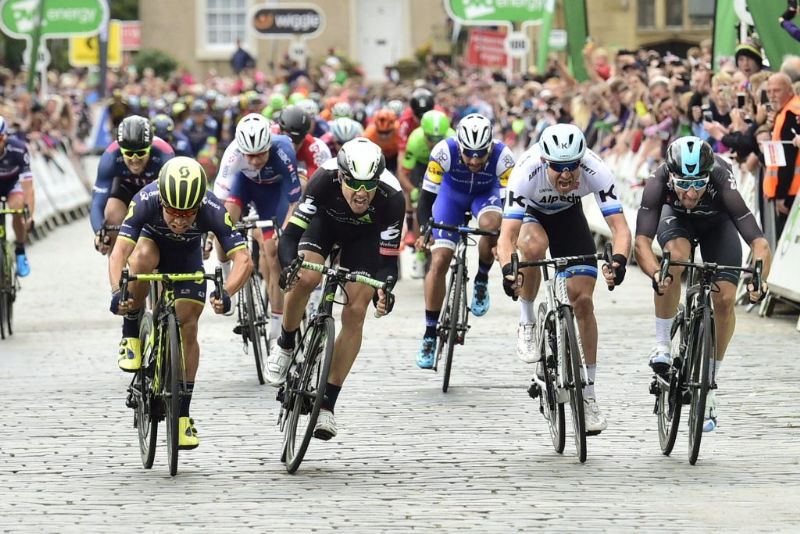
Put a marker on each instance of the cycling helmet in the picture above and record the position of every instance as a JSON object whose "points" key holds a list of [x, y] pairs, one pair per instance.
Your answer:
{"points": [[277, 101], [296, 98], [182, 184], [421, 101], [253, 135], [474, 133], [360, 116], [690, 157], [342, 109], [162, 126], [344, 129], [385, 121], [134, 133], [310, 107], [361, 159], [562, 142], [295, 123], [199, 106], [160, 105], [435, 125], [397, 106]]}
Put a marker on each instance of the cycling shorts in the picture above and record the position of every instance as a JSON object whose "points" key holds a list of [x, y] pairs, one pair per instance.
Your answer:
{"points": [[360, 246], [568, 234], [123, 190], [177, 258], [270, 200], [451, 205]]}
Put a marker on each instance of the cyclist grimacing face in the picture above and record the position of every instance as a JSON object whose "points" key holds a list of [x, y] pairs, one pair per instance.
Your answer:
{"points": [[564, 177]]}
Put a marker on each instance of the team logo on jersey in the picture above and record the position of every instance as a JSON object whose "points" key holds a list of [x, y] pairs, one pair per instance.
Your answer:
{"points": [[308, 206], [391, 233], [130, 210]]}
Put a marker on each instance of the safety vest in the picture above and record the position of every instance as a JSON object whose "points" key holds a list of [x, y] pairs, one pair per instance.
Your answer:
{"points": [[771, 176]]}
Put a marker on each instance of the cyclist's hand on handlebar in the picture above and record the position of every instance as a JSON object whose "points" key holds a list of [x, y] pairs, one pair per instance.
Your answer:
{"points": [[118, 307], [102, 243], [383, 307], [420, 245], [511, 286], [659, 286], [756, 295], [616, 273], [288, 279], [220, 305]]}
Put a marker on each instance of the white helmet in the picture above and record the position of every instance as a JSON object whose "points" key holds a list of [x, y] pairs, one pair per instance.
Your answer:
{"points": [[309, 106], [474, 133], [253, 134], [344, 129], [562, 142], [342, 109], [361, 159], [397, 106]]}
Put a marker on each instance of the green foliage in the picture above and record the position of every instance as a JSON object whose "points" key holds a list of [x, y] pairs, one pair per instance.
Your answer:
{"points": [[125, 9], [162, 63]]}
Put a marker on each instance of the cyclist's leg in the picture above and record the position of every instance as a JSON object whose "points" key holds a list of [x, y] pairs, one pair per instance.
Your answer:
{"points": [[488, 209], [144, 259], [532, 243], [271, 203], [16, 201]]}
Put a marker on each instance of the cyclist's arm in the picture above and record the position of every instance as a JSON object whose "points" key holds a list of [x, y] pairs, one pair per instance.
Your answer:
{"points": [[647, 222], [507, 242], [101, 189], [514, 206], [292, 184], [620, 234], [300, 218], [233, 243], [390, 237], [242, 267], [123, 248], [438, 165]]}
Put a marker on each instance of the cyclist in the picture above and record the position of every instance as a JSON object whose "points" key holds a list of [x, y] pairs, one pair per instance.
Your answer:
{"points": [[266, 177], [126, 166], [543, 209], [354, 202], [383, 132], [421, 102], [16, 184], [163, 230], [200, 128], [319, 125], [693, 196], [164, 127], [311, 152], [465, 173], [341, 131]]}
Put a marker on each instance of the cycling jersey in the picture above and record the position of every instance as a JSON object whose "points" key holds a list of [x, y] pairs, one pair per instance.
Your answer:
{"points": [[282, 163], [370, 241], [417, 150], [388, 142], [181, 145], [530, 190], [720, 197], [114, 178], [311, 154], [199, 132], [15, 167], [446, 166]]}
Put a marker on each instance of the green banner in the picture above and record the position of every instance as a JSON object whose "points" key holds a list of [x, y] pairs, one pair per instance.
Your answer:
{"points": [[775, 40], [59, 18], [495, 11], [577, 32], [543, 49], [725, 32]]}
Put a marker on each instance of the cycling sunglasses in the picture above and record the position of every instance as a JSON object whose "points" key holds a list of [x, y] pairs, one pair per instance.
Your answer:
{"points": [[564, 166], [469, 154], [181, 214], [131, 154], [356, 185], [684, 184]]}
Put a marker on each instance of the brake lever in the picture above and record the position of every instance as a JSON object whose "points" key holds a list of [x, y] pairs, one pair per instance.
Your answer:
{"points": [[607, 257]]}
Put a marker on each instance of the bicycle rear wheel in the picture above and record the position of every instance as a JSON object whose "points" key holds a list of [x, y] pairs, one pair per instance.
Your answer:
{"points": [[552, 410], [572, 366], [704, 349], [305, 389], [256, 324], [670, 397], [457, 281], [4, 307], [145, 414], [172, 390]]}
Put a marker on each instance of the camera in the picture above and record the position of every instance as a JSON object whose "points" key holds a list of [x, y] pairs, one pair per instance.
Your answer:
{"points": [[740, 100]]}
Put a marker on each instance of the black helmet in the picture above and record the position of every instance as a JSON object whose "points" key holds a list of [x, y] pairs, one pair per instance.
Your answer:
{"points": [[163, 126], [294, 122], [421, 101], [134, 133], [690, 157]]}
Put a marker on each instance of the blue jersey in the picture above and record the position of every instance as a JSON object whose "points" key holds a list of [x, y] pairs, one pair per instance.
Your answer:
{"points": [[181, 145], [145, 215], [446, 167], [112, 165], [15, 165], [199, 132], [281, 164]]}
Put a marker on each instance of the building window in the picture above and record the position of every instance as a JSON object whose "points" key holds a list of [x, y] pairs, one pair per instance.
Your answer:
{"points": [[701, 12], [674, 13], [647, 13], [226, 21]]}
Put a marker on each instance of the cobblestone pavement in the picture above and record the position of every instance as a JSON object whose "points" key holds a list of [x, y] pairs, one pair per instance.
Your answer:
{"points": [[407, 458]]}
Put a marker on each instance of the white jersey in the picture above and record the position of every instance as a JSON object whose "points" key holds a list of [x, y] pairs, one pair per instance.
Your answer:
{"points": [[232, 163], [529, 187]]}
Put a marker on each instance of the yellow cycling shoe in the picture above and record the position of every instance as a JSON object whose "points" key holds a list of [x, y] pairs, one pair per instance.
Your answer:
{"points": [[187, 434], [130, 354]]}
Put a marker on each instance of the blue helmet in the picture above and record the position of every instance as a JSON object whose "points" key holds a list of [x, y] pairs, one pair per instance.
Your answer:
{"points": [[690, 157]]}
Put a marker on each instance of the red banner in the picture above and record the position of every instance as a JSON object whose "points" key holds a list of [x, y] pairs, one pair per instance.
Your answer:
{"points": [[131, 34], [485, 48]]}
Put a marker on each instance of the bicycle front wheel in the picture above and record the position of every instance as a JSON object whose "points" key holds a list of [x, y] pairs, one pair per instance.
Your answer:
{"points": [[172, 397], [146, 416], [670, 390], [571, 363], [459, 288], [4, 287], [257, 324], [552, 410], [703, 351], [305, 388]]}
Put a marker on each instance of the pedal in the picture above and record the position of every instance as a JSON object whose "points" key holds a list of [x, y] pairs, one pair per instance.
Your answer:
{"points": [[279, 396], [237, 329], [654, 388], [534, 390]]}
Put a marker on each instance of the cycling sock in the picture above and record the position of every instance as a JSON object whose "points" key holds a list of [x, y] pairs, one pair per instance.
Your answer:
{"points": [[130, 324], [275, 324], [483, 272], [186, 399], [287, 338], [431, 320], [331, 394], [19, 248], [663, 327], [526, 313], [588, 390]]}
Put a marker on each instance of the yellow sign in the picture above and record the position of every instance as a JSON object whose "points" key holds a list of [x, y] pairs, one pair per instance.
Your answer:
{"points": [[85, 51]]}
